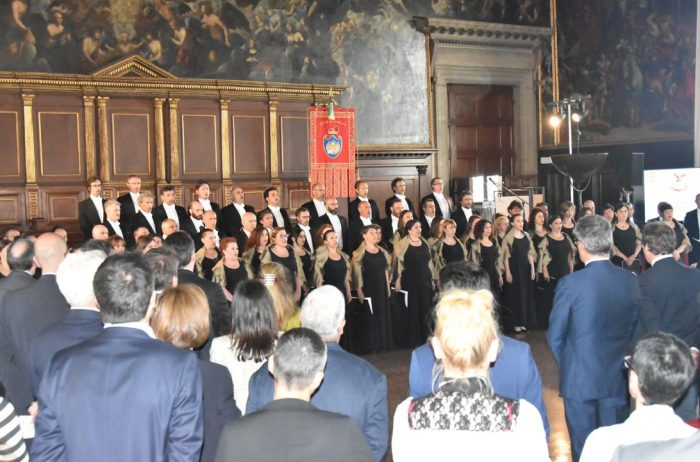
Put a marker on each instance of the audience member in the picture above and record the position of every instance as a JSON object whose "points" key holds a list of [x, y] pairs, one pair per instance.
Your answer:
{"points": [[677, 450], [93, 244], [11, 233], [275, 277], [4, 267], [163, 265], [351, 385], [692, 226], [91, 210], [12, 447], [181, 318], [233, 215], [660, 370], [289, 428], [100, 233], [123, 391]]}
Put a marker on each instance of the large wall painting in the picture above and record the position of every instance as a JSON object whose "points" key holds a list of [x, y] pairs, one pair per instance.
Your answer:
{"points": [[637, 61], [368, 45]]}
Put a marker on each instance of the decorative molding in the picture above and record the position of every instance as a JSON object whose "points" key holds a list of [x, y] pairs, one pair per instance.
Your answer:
{"points": [[174, 140], [225, 140], [103, 135], [274, 158], [134, 66], [479, 32], [159, 138], [395, 155], [32, 201], [90, 153], [29, 145]]}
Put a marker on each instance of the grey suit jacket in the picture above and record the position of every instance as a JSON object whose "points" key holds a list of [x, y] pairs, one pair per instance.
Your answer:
{"points": [[679, 450]]}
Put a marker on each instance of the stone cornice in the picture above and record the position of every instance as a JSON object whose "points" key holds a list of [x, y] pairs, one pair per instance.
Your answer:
{"points": [[479, 32]]}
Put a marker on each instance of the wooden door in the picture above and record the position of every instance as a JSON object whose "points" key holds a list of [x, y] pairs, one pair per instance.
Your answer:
{"points": [[481, 130]]}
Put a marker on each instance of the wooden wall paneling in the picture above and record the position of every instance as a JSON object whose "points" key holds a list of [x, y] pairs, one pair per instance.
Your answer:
{"points": [[12, 147], [294, 139], [12, 206], [61, 203], [132, 138], [254, 194], [296, 193], [249, 140], [217, 192], [59, 128], [200, 139]]}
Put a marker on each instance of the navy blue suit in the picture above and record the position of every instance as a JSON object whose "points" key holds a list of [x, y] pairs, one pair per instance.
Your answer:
{"points": [[218, 404], [514, 375], [351, 386], [120, 396], [77, 326], [590, 331]]}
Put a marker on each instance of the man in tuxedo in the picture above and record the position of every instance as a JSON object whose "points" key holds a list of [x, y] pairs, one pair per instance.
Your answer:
{"points": [[301, 431], [351, 386], [303, 226], [112, 220], [232, 214], [670, 300], [281, 219], [355, 227], [362, 195], [249, 222], [339, 222], [202, 191], [398, 185], [28, 311], [443, 205], [590, 332], [158, 387], [390, 223], [91, 210], [130, 200], [74, 279], [692, 226], [168, 208], [144, 217], [463, 213], [429, 214], [194, 225], [316, 206], [211, 222]]}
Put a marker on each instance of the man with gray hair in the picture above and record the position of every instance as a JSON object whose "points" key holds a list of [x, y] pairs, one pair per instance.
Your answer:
{"points": [[351, 386], [288, 427], [590, 332], [83, 321]]}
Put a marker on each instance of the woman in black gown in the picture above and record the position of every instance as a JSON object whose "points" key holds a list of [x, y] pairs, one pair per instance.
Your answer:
{"points": [[556, 261], [370, 278], [208, 256], [448, 248], [485, 252], [254, 248], [537, 229], [567, 211], [332, 267], [231, 269], [627, 242], [415, 273], [283, 253], [299, 240], [519, 263]]}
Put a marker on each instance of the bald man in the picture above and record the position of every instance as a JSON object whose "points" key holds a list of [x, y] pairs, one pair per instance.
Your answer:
{"points": [[100, 233], [27, 311]]}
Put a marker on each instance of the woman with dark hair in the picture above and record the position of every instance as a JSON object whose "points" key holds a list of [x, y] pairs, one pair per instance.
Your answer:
{"points": [[401, 232], [266, 220], [437, 229], [682, 241], [252, 338], [468, 239], [370, 278], [627, 241], [298, 241], [181, 318], [145, 243], [332, 267], [281, 252], [519, 264], [414, 272], [208, 256], [448, 248], [557, 260], [536, 227], [254, 248], [231, 269], [486, 253]]}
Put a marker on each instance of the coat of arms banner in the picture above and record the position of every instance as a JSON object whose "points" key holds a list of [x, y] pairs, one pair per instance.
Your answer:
{"points": [[332, 150]]}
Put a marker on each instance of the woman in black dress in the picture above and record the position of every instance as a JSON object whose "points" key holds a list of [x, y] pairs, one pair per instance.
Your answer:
{"points": [[208, 256], [485, 252], [448, 248], [332, 267], [682, 242], [401, 232], [231, 269], [519, 263], [415, 273], [298, 241], [627, 242], [370, 278], [281, 252], [537, 229], [556, 261], [254, 248], [567, 211], [501, 225]]}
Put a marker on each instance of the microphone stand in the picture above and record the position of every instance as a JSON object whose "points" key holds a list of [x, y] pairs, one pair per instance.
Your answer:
{"points": [[511, 193]]}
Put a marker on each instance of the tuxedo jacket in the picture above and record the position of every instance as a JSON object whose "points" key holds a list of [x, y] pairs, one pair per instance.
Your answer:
{"points": [[387, 205], [354, 215], [159, 216], [286, 224], [296, 229], [127, 208], [241, 239], [218, 405], [295, 431], [123, 225], [677, 450], [313, 213], [387, 232], [425, 227], [693, 228], [231, 219], [324, 220], [188, 227], [438, 210], [139, 221], [27, 312], [119, 396], [88, 217], [462, 221], [354, 236]]}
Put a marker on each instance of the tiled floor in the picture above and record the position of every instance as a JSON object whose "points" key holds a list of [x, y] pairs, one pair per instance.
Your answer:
{"points": [[395, 365]]}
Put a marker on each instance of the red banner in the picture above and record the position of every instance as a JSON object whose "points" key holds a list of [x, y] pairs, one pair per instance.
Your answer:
{"points": [[332, 150]]}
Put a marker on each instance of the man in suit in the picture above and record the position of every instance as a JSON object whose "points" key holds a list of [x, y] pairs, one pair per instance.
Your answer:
{"points": [[390, 223], [168, 227], [91, 210], [303, 226], [144, 217], [301, 431], [692, 226], [29, 310], [211, 222], [514, 375], [677, 450], [443, 205], [670, 300], [362, 195], [316, 206], [194, 225], [249, 222], [351, 386], [398, 185], [202, 191], [355, 228], [130, 200], [590, 332], [168, 208], [232, 214], [112, 220], [428, 207], [100, 233], [463, 213], [158, 387], [279, 215], [339, 222], [74, 278]]}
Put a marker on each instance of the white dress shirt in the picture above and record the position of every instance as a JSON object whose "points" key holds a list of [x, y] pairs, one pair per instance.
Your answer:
{"points": [[394, 224], [660, 257], [307, 232], [320, 207], [206, 203], [443, 204], [117, 229], [98, 205], [198, 224], [648, 423], [402, 198], [172, 213], [149, 219], [467, 213], [337, 227], [277, 214], [240, 208], [366, 221], [135, 200]]}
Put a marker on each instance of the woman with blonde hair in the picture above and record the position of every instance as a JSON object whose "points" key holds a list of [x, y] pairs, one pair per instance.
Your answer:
{"points": [[464, 411], [448, 248], [500, 229], [279, 251], [275, 277]]}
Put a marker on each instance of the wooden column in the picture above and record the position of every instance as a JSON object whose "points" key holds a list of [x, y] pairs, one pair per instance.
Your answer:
{"points": [[103, 134], [159, 139], [174, 140], [32, 190], [274, 158], [227, 183], [90, 153]]}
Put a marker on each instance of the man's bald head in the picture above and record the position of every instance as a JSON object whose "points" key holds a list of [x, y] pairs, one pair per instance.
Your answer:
{"points": [[100, 232], [49, 251], [20, 255]]}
